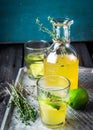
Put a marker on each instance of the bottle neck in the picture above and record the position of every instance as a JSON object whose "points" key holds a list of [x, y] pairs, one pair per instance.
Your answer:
{"points": [[61, 28]]}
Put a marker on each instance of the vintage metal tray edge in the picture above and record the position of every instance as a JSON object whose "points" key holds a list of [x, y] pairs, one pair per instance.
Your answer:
{"points": [[9, 109]]}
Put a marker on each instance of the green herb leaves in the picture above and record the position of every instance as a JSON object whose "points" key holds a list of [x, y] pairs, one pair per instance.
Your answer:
{"points": [[47, 98], [44, 29], [26, 110]]}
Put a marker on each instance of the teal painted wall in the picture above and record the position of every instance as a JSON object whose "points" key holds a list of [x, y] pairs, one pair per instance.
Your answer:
{"points": [[17, 18]]}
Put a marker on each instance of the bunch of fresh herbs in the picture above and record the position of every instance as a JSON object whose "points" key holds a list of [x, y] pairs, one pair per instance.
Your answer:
{"points": [[26, 110]]}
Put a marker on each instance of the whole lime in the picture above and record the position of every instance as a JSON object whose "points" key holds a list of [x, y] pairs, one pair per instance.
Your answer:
{"points": [[78, 98]]}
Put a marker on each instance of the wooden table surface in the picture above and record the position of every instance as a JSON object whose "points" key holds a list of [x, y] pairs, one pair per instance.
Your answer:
{"points": [[12, 58]]}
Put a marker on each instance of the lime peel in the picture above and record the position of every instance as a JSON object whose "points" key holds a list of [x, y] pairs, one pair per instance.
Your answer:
{"points": [[78, 98]]}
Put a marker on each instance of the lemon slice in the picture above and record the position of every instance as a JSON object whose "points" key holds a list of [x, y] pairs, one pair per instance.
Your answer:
{"points": [[37, 69], [32, 57], [54, 105]]}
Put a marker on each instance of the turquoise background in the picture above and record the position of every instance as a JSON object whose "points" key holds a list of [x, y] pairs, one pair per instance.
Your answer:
{"points": [[17, 18]]}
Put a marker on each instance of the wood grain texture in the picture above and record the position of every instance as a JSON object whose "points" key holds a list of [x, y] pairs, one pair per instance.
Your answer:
{"points": [[11, 59], [84, 55]]}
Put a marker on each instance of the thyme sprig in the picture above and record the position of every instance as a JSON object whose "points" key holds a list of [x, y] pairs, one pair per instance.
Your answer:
{"points": [[26, 110], [45, 29], [52, 32], [50, 96]]}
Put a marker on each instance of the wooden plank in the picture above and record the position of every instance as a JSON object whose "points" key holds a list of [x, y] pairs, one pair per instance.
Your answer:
{"points": [[84, 56], [11, 59]]}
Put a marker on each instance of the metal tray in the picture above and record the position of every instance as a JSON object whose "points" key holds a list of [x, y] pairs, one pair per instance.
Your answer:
{"points": [[76, 120]]}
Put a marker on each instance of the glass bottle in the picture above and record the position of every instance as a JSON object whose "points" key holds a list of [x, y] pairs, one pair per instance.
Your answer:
{"points": [[62, 58]]}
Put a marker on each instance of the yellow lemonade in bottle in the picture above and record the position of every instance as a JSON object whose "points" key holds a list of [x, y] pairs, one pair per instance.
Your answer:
{"points": [[66, 65], [62, 59]]}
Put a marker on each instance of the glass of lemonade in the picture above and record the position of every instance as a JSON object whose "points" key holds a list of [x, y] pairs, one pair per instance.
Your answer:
{"points": [[53, 94], [34, 57]]}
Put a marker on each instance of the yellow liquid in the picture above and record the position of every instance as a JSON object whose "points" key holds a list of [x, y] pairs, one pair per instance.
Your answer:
{"points": [[66, 65], [51, 116]]}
